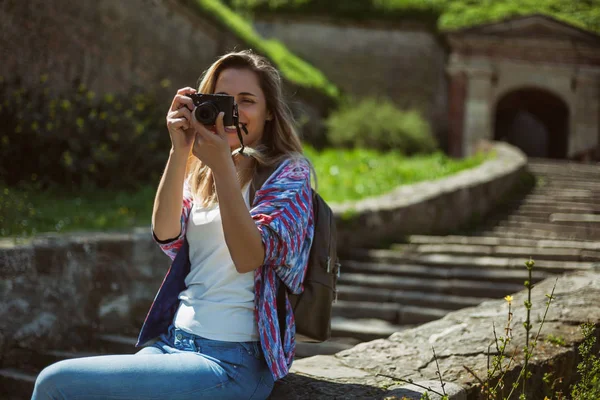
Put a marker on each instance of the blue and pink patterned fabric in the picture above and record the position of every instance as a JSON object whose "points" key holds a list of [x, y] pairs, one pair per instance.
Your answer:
{"points": [[282, 211]]}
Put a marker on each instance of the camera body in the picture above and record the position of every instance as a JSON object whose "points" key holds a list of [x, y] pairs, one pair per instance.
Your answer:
{"points": [[208, 106]]}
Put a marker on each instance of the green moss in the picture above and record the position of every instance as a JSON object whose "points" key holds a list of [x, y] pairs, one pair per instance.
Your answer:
{"points": [[464, 13], [292, 67], [390, 10], [445, 14], [557, 340]]}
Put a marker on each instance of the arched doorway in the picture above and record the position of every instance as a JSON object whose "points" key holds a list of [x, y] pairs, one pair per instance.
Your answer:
{"points": [[534, 120]]}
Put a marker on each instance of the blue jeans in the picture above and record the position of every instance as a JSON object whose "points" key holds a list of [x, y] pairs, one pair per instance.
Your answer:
{"points": [[178, 366]]}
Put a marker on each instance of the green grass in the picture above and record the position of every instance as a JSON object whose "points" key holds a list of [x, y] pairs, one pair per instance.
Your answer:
{"points": [[27, 212], [291, 66], [342, 175], [359, 173]]}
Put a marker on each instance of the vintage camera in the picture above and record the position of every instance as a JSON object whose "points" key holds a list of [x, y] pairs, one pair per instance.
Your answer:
{"points": [[208, 106]]}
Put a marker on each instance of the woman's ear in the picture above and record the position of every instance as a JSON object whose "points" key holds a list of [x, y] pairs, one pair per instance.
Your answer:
{"points": [[269, 116]]}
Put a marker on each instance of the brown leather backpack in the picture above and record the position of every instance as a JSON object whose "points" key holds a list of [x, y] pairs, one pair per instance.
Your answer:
{"points": [[312, 307]]}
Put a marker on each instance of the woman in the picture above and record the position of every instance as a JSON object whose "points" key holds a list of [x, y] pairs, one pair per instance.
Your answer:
{"points": [[214, 322]]}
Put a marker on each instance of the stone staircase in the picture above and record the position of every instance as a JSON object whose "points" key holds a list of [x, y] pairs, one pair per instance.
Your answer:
{"points": [[557, 223], [382, 291]]}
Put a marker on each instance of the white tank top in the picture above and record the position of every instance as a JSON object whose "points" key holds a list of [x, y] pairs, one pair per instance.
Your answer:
{"points": [[218, 303]]}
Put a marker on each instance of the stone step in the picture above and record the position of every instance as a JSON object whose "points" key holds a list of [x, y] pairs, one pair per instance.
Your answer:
{"points": [[545, 175], [397, 314], [583, 183], [566, 168], [574, 196], [479, 263], [407, 297], [554, 216], [554, 197], [526, 233], [558, 219], [525, 252], [553, 205], [576, 218], [589, 189], [502, 241], [456, 287], [532, 213], [554, 184], [363, 329], [16, 384], [581, 230], [331, 346], [551, 195], [551, 208], [424, 270]]}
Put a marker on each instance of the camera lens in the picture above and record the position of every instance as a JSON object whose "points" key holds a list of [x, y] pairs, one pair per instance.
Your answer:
{"points": [[206, 113]]}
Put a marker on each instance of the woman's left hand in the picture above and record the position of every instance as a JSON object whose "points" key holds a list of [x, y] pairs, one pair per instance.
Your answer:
{"points": [[212, 148]]}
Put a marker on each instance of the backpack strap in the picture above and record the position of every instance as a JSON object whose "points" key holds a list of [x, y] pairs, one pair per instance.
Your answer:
{"points": [[281, 309]]}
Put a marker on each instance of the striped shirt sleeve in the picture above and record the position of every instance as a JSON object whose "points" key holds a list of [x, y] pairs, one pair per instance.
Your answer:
{"points": [[282, 213], [171, 247]]}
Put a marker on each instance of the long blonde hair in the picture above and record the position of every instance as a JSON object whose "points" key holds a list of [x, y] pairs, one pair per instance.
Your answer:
{"points": [[279, 140]]}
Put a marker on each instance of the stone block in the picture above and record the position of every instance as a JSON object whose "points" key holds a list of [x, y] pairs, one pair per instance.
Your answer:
{"points": [[50, 258], [16, 261]]}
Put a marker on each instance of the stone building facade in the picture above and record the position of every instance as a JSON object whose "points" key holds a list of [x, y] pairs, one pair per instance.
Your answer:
{"points": [[404, 61], [532, 81]]}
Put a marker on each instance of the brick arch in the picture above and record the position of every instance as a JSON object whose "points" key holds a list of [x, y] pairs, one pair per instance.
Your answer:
{"points": [[534, 119]]}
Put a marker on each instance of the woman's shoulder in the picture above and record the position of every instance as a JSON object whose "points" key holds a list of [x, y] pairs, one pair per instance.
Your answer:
{"points": [[293, 169]]}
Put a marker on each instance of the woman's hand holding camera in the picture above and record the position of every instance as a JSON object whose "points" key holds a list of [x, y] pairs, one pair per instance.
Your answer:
{"points": [[211, 147], [178, 120]]}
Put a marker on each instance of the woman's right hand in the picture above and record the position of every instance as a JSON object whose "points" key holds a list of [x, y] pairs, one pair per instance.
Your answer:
{"points": [[179, 120]]}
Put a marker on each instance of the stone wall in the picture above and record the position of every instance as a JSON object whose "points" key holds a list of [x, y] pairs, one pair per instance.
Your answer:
{"points": [[405, 62], [58, 287], [112, 45], [431, 207], [109, 45]]}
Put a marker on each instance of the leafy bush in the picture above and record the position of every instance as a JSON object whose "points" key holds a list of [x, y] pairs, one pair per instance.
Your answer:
{"points": [[76, 139], [378, 124], [588, 386]]}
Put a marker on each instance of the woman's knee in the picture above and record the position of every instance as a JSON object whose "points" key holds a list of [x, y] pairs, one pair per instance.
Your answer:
{"points": [[49, 381]]}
